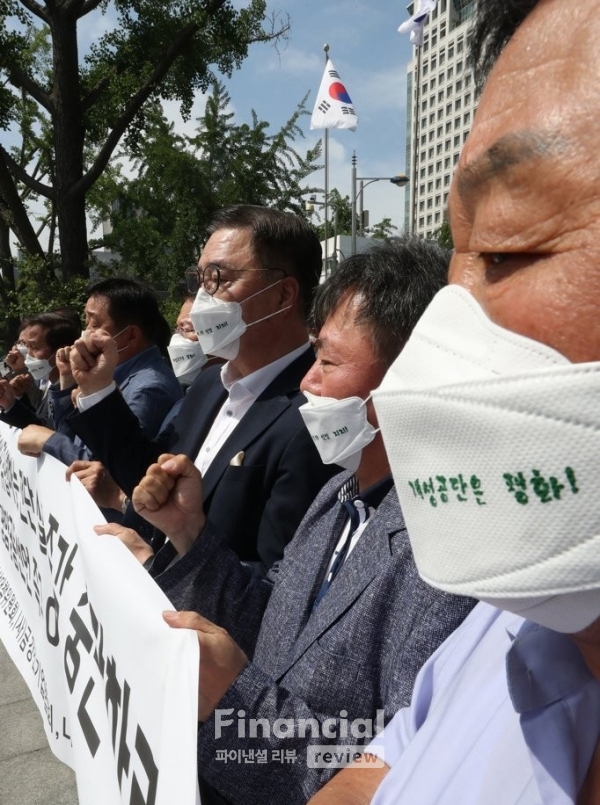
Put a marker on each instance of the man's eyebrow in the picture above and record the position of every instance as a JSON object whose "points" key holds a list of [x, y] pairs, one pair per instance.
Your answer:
{"points": [[507, 152]]}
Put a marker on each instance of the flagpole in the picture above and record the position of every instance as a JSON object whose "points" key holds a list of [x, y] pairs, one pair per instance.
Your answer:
{"points": [[326, 208], [416, 145]]}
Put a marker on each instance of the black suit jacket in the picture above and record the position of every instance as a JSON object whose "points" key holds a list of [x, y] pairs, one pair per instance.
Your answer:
{"points": [[255, 507]]}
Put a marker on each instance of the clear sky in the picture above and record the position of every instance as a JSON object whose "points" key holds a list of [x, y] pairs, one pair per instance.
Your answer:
{"points": [[370, 57]]}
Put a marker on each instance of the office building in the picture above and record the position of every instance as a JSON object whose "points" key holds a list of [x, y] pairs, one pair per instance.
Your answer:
{"points": [[440, 109]]}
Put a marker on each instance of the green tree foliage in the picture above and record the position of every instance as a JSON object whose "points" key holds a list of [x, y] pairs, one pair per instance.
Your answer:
{"points": [[72, 111], [444, 236], [383, 230], [160, 213]]}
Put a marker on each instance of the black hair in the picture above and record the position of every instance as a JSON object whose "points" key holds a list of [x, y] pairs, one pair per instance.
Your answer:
{"points": [[393, 282], [58, 330], [132, 302], [280, 240], [495, 22]]}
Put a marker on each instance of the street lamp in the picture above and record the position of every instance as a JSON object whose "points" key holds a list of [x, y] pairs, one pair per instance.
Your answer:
{"points": [[400, 181]]}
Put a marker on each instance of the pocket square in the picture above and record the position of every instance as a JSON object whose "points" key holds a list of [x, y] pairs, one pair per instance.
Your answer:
{"points": [[237, 460]]}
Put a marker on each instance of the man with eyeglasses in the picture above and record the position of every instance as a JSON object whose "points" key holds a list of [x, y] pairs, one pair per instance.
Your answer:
{"points": [[239, 423]]}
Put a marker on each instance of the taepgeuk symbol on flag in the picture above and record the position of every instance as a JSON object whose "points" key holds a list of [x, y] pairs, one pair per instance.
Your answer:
{"points": [[339, 93]]}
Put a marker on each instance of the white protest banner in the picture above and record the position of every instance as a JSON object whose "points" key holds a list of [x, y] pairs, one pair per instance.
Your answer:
{"points": [[81, 619]]}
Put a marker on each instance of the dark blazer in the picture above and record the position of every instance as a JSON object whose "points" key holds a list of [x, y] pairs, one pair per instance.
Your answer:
{"points": [[256, 507], [22, 413], [359, 651]]}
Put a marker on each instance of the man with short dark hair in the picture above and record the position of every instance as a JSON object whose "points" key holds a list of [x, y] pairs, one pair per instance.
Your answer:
{"points": [[128, 311], [42, 335], [326, 643], [239, 422], [497, 389]]}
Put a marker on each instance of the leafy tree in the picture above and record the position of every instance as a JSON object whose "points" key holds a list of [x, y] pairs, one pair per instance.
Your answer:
{"points": [[444, 236], [339, 215], [383, 230], [73, 112], [162, 211]]}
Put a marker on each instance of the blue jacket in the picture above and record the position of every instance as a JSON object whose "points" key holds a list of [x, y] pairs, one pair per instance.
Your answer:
{"points": [[148, 386]]}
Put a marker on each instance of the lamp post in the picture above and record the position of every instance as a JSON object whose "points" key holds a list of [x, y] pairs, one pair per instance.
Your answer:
{"points": [[400, 181], [309, 206]]}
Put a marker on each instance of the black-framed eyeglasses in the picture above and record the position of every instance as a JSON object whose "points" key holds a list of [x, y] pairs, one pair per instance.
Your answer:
{"points": [[210, 277]]}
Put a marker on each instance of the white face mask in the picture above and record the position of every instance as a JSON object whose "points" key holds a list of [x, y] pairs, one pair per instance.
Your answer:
{"points": [[219, 325], [339, 428], [494, 442], [38, 368], [187, 357], [22, 349]]}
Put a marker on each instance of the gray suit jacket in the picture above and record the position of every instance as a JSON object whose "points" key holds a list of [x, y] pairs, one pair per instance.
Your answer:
{"points": [[358, 652]]}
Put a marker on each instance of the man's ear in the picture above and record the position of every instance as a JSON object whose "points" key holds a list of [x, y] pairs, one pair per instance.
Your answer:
{"points": [[289, 293], [135, 337]]}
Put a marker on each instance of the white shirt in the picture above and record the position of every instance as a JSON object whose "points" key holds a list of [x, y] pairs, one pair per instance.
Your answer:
{"points": [[503, 713], [243, 391]]}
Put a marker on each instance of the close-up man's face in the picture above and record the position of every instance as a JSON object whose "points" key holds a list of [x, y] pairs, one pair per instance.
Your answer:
{"points": [[347, 363], [524, 202], [230, 251], [34, 338]]}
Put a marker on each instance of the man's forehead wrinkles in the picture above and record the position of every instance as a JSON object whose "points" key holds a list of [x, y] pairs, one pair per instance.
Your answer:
{"points": [[507, 152]]}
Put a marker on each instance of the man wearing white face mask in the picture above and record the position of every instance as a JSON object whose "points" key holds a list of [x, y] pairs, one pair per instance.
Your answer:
{"points": [[40, 336], [322, 630], [490, 417], [238, 422], [185, 351], [129, 313]]}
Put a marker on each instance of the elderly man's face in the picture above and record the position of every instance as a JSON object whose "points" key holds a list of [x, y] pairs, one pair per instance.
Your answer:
{"points": [[525, 200]]}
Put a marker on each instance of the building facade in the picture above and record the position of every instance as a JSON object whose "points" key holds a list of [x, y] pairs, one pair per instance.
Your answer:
{"points": [[440, 108]]}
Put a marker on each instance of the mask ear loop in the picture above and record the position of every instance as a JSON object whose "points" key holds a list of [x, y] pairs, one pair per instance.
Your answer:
{"points": [[262, 290]]}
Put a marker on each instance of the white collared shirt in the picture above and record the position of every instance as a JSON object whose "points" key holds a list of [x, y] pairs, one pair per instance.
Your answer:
{"points": [[243, 392]]}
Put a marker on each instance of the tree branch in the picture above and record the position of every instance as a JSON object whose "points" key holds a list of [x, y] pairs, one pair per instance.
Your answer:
{"points": [[134, 106], [22, 81], [23, 176], [36, 9], [19, 219], [85, 7]]}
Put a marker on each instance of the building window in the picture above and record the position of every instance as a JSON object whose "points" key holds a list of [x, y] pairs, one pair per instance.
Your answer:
{"points": [[429, 220], [429, 203], [438, 166], [421, 206], [465, 135], [441, 96], [446, 163], [421, 223], [457, 141], [457, 122], [457, 104], [459, 67], [429, 187], [456, 157], [467, 99], [447, 145], [438, 184], [430, 153], [448, 127], [447, 180], [430, 170], [440, 133], [438, 201], [450, 72], [459, 85], [451, 50], [467, 118], [437, 217], [449, 90], [422, 173]]}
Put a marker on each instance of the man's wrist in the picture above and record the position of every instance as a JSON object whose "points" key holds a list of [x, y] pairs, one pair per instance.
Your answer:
{"points": [[88, 399]]}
